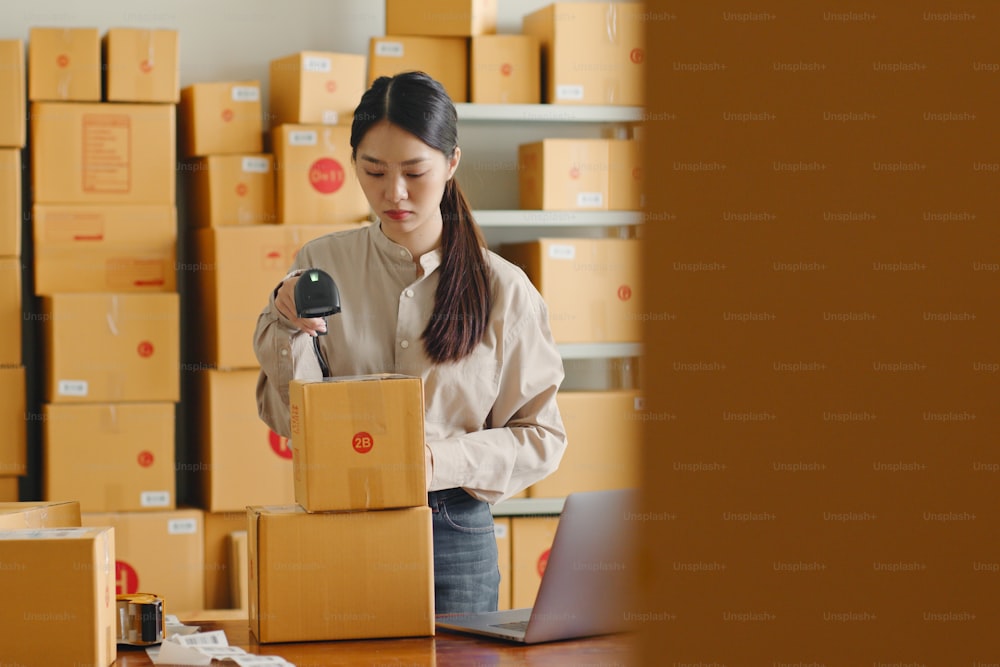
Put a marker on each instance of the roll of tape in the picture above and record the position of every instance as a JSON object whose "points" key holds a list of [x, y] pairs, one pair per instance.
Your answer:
{"points": [[140, 619]]}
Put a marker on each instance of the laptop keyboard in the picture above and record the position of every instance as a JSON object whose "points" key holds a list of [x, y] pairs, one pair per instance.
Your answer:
{"points": [[515, 625]]}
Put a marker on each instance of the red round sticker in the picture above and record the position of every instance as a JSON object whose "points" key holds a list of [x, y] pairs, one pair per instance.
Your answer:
{"points": [[506, 69], [145, 458], [624, 292], [543, 561], [62, 60], [279, 444], [362, 442], [637, 173], [326, 175], [146, 66], [241, 189], [227, 115], [574, 172], [126, 578], [331, 86], [145, 349], [637, 56]]}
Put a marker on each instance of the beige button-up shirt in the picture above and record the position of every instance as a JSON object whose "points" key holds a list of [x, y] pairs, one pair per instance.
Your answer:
{"points": [[491, 420]]}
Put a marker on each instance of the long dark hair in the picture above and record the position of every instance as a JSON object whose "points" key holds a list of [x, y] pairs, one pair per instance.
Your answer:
{"points": [[418, 104]]}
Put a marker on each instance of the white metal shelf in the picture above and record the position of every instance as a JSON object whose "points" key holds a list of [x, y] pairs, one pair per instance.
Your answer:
{"points": [[528, 506], [599, 350], [548, 113], [518, 218]]}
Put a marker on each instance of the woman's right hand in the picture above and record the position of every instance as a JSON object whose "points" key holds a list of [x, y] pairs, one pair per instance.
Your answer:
{"points": [[284, 301]]}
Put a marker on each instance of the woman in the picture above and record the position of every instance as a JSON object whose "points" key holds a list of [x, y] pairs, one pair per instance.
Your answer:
{"points": [[422, 296]]}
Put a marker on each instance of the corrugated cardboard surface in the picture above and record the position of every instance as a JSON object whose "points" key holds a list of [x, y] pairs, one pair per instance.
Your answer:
{"points": [[10, 202], [504, 69], [231, 190], [64, 64], [39, 514], [13, 124], [220, 117], [313, 87], [141, 65], [446, 59], [13, 422], [530, 541], [459, 18]]}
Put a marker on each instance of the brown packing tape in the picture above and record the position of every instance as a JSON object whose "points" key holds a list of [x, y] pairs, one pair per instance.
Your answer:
{"points": [[140, 619]]}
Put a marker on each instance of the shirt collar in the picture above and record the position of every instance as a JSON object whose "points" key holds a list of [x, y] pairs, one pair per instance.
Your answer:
{"points": [[392, 251]]}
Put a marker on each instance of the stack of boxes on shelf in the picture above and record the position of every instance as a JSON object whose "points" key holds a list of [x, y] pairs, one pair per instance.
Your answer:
{"points": [[250, 212], [354, 557], [104, 232], [13, 448]]}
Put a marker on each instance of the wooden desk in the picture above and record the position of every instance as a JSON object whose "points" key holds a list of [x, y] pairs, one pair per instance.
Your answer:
{"points": [[446, 649]]}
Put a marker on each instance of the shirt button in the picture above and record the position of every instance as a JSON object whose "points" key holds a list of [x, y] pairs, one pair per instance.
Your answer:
{"points": [[402, 253], [404, 344], [284, 353], [408, 293]]}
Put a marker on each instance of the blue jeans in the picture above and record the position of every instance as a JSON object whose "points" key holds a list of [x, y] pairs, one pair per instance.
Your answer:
{"points": [[466, 574]]}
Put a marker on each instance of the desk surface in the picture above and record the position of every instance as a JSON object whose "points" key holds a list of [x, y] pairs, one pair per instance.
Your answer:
{"points": [[443, 650]]}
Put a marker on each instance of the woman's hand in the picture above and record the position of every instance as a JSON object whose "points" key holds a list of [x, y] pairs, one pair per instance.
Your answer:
{"points": [[284, 301]]}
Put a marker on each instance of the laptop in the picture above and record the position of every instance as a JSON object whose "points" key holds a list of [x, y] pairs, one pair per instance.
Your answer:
{"points": [[587, 581]]}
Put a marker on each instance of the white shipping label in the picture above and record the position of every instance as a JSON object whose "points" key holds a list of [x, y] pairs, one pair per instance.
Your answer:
{"points": [[330, 117], [569, 92], [182, 527], [500, 530], [640, 403], [316, 64], [562, 251], [589, 199], [246, 94], [255, 165], [302, 138], [154, 499], [72, 388], [389, 49]]}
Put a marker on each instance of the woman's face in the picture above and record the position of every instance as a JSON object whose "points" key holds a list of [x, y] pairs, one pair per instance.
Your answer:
{"points": [[403, 179]]}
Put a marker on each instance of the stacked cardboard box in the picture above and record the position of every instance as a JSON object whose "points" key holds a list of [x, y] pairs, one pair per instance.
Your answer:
{"points": [[104, 227], [13, 449], [580, 175], [359, 481]]}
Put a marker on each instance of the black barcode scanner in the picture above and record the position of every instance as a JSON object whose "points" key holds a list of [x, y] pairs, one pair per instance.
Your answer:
{"points": [[316, 295]]}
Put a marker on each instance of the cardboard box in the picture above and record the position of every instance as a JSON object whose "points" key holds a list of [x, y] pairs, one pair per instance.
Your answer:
{"points": [[530, 542], [141, 65], [457, 18], [446, 59], [110, 248], [218, 555], [358, 442], [625, 186], [240, 460], [9, 489], [59, 605], [110, 457], [239, 589], [563, 175], [103, 153], [603, 429], [10, 202], [231, 190], [158, 552], [380, 564], [316, 87], [34, 515], [11, 308], [235, 271], [64, 64], [111, 347], [13, 110], [13, 422], [316, 181], [220, 117], [592, 52], [591, 286], [501, 528], [505, 69]]}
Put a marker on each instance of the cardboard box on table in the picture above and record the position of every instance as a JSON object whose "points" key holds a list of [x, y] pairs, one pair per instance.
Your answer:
{"points": [[591, 286], [111, 347], [104, 153], [10, 202], [317, 576], [110, 457], [231, 190], [458, 18], [13, 111], [446, 59], [504, 69], [110, 248], [39, 514], [13, 423], [64, 64], [220, 117], [158, 552], [141, 65], [59, 604], [316, 87], [358, 442]]}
